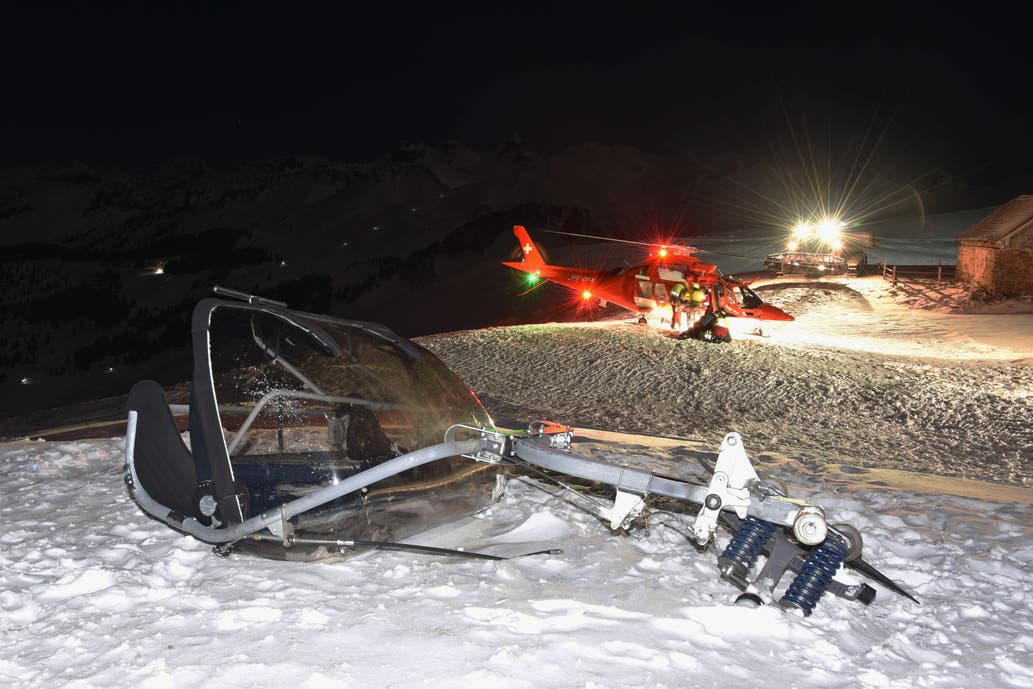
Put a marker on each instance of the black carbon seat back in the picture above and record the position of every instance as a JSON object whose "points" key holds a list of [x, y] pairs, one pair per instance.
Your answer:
{"points": [[164, 465]]}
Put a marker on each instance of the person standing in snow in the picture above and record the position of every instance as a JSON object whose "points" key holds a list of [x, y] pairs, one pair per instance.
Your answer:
{"points": [[679, 298], [712, 323], [698, 303]]}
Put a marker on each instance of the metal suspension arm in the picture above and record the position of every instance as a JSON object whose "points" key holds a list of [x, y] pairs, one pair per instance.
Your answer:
{"points": [[737, 479]]}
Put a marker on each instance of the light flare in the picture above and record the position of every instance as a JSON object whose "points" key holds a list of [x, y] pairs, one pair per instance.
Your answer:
{"points": [[824, 234], [828, 230]]}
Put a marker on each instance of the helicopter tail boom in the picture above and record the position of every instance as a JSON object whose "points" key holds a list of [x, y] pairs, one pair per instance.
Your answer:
{"points": [[533, 261]]}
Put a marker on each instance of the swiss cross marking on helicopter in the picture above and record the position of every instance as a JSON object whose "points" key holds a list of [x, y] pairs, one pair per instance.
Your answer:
{"points": [[528, 247]]}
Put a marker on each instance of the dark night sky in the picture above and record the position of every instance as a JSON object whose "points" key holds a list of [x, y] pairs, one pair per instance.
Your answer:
{"points": [[133, 86]]}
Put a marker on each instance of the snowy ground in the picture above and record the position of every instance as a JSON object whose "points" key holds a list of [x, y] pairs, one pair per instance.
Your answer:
{"points": [[856, 379], [93, 594]]}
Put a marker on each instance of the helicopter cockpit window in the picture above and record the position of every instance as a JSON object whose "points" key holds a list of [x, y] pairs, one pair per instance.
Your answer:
{"points": [[672, 273], [748, 298]]}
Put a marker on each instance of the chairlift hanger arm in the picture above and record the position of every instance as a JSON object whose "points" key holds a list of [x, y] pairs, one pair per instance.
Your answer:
{"points": [[536, 451]]}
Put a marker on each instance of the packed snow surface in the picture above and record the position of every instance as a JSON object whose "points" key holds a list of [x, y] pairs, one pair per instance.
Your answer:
{"points": [[918, 436]]}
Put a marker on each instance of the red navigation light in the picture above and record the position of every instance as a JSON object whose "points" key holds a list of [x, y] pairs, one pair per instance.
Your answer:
{"points": [[586, 295]]}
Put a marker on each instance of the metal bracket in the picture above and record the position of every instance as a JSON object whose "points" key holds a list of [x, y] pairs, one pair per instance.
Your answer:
{"points": [[783, 556], [558, 435], [283, 529], [626, 506], [729, 487], [497, 445]]}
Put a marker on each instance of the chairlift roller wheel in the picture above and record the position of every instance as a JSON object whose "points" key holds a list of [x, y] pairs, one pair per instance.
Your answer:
{"points": [[854, 540]]}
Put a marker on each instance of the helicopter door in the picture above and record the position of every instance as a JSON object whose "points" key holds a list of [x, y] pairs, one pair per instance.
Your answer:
{"points": [[644, 293], [749, 300], [726, 300], [660, 293]]}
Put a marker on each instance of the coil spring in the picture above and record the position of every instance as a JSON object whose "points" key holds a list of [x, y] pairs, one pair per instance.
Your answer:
{"points": [[747, 542], [815, 576]]}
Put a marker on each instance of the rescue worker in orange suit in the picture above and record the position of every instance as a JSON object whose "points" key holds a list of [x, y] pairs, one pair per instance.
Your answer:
{"points": [[712, 327], [679, 300]]}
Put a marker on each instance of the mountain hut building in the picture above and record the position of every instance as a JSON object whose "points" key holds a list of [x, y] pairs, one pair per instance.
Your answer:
{"points": [[996, 254]]}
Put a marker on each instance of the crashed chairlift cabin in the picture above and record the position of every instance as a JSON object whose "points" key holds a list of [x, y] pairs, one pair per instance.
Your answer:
{"points": [[313, 437]]}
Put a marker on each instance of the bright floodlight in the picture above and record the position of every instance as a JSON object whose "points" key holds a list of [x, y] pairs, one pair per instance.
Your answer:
{"points": [[802, 231], [828, 230]]}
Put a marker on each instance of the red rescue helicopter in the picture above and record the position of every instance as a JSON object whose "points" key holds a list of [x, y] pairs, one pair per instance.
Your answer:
{"points": [[645, 289]]}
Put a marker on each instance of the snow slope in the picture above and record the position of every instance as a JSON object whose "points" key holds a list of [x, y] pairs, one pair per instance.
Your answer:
{"points": [[94, 594]]}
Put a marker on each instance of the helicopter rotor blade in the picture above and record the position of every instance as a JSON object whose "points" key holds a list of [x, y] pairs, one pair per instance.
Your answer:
{"points": [[630, 241], [721, 253], [605, 239]]}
